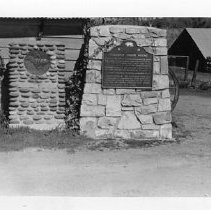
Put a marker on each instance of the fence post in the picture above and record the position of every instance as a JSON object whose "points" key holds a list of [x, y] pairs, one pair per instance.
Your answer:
{"points": [[186, 69], [193, 82]]}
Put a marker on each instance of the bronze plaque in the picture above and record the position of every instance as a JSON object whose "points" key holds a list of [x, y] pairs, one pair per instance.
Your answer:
{"points": [[127, 66], [37, 62]]}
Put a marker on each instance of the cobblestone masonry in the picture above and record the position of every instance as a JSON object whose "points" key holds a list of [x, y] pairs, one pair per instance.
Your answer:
{"points": [[36, 101], [126, 113]]}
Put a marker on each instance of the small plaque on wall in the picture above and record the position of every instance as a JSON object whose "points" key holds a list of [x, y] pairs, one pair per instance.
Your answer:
{"points": [[127, 66], [37, 62]]}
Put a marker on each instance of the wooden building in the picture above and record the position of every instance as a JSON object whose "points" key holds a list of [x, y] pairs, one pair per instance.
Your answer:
{"points": [[195, 43], [68, 31]]}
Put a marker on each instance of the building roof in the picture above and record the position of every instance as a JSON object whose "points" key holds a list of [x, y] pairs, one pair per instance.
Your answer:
{"points": [[202, 38]]}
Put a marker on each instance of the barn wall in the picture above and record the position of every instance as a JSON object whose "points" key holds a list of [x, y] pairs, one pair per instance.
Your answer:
{"points": [[185, 46], [73, 45]]}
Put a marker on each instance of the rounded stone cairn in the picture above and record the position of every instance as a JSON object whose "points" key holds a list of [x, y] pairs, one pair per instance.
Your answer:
{"points": [[126, 113], [36, 99]]}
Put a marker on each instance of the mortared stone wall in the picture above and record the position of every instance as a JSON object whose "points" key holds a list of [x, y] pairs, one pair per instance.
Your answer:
{"points": [[126, 113], [36, 100]]}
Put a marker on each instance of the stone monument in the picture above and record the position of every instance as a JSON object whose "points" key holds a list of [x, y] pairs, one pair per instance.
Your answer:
{"points": [[126, 90], [36, 85]]}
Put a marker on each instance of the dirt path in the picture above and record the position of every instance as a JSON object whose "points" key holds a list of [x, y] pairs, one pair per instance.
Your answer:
{"points": [[182, 169]]}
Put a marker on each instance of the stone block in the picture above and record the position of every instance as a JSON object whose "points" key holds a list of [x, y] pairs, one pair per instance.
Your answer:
{"points": [[160, 82], [48, 117], [144, 119], [122, 134], [43, 104], [128, 121], [13, 117], [13, 99], [143, 29], [150, 127], [145, 134], [148, 101], [162, 42], [150, 94], [35, 96], [143, 42], [101, 41], [94, 31], [88, 126], [14, 104], [162, 118], [92, 111], [28, 122], [29, 112], [35, 90], [124, 36], [24, 90], [14, 77], [14, 89], [26, 95], [164, 64], [89, 99], [132, 100], [164, 104], [12, 113], [101, 99], [152, 108], [156, 50], [34, 105], [59, 116], [40, 113], [113, 105], [44, 109], [93, 76], [161, 51], [104, 31], [92, 88], [14, 84], [132, 30], [165, 93], [24, 118], [125, 108], [156, 32], [116, 30], [60, 86], [25, 104], [37, 117], [106, 122], [94, 64], [103, 134], [14, 94], [92, 48], [156, 67], [125, 91], [109, 91], [14, 122], [166, 131], [98, 55]]}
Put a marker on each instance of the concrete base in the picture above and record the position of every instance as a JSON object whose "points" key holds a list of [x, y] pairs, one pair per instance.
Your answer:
{"points": [[42, 127]]}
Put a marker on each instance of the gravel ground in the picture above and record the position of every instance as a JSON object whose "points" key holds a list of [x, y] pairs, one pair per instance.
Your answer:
{"points": [[178, 169]]}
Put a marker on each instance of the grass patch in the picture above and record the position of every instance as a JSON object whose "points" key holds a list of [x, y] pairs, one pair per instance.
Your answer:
{"points": [[178, 130], [21, 138], [126, 144]]}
